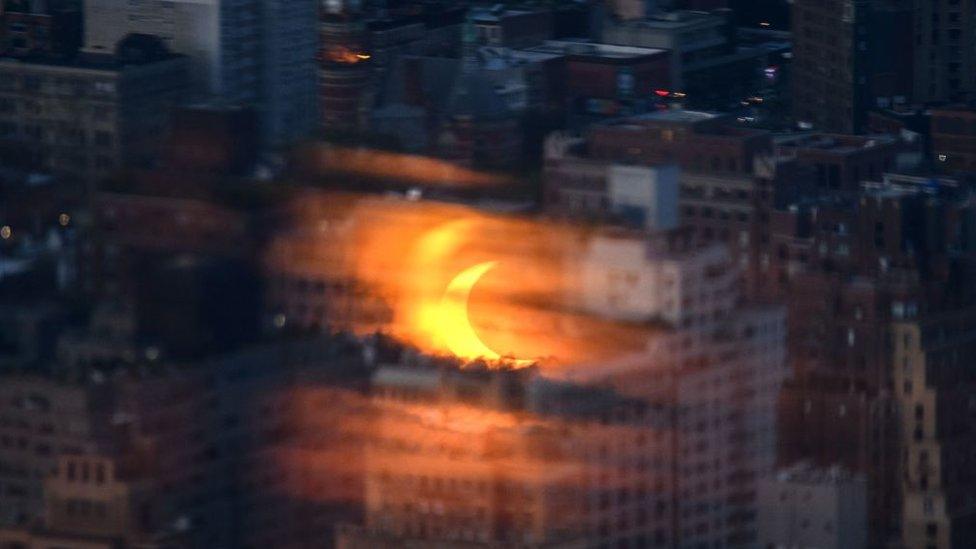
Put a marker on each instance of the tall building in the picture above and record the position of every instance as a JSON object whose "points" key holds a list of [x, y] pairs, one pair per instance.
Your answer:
{"points": [[251, 52], [853, 265], [89, 116], [945, 51], [830, 48], [345, 72], [936, 395]]}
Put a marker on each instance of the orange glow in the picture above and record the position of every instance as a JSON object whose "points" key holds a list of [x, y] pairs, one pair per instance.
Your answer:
{"points": [[448, 279], [352, 442], [324, 160], [344, 55]]}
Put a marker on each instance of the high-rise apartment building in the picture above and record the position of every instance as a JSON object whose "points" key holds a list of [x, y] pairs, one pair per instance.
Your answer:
{"points": [[718, 365], [830, 48]]}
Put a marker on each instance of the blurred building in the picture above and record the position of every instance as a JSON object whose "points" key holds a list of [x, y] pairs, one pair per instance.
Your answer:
{"points": [[852, 265], [831, 64], [508, 458], [935, 393], [851, 57], [47, 28], [723, 196], [807, 507], [258, 53], [211, 140], [132, 227], [600, 80], [841, 162], [954, 139], [478, 129], [513, 28], [718, 364], [360, 44], [138, 452], [95, 501], [345, 74], [707, 64], [465, 476], [92, 115], [27, 332], [695, 140], [42, 419], [944, 59]]}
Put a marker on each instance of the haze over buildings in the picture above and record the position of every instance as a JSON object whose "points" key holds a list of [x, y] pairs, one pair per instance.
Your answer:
{"points": [[469, 274]]}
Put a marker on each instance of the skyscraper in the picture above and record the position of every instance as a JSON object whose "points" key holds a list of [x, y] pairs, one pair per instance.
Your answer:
{"points": [[830, 48]]}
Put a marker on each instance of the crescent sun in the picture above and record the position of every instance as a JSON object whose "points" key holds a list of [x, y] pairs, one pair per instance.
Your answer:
{"points": [[458, 334]]}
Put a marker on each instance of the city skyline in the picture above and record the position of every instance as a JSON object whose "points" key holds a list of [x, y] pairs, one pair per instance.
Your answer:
{"points": [[475, 275]]}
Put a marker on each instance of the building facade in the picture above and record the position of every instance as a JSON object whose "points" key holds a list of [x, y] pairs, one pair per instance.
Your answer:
{"points": [[807, 507], [944, 58], [90, 117], [243, 52], [829, 67], [934, 390]]}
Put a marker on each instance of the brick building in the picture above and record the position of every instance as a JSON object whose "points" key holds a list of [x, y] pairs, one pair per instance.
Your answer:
{"points": [[852, 266], [841, 162]]}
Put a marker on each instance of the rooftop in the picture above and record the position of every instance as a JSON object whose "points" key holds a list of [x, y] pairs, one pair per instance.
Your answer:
{"points": [[833, 143], [678, 116], [590, 49], [804, 473], [676, 19]]}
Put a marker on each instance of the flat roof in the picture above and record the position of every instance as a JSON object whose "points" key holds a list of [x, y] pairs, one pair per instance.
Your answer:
{"points": [[673, 20], [86, 61], [834, 143], [593, 49]]}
